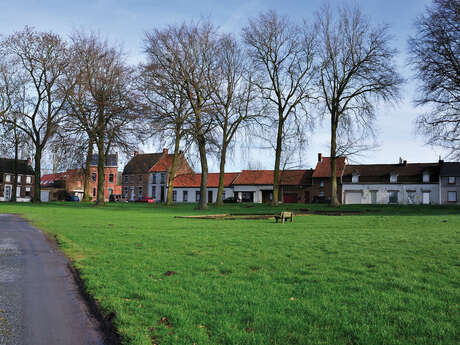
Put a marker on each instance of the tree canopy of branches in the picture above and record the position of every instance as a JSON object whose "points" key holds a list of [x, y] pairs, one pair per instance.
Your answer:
{"points": [[40, 59], [435, 54], [103, 102], [356, 68], [282, 55], [187, 53]]}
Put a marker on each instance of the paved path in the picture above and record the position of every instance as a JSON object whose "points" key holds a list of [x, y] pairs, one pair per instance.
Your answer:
{"points": [[39, 300]]}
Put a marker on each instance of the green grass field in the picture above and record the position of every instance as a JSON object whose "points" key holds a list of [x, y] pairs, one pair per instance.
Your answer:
{"points": [[387, 276]]}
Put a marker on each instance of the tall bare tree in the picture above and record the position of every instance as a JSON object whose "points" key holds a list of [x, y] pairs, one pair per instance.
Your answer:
{"points": [[189, 54], [232, 100], [103, 102], [356, 69], [282, 55], [40, 59], [435, 54], [168, 108]]}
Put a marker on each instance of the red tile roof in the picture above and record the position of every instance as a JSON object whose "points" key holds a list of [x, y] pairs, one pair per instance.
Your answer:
{"points": [[163, 164], [49, 179], [194, 180], [323, 168], [265, 177]]}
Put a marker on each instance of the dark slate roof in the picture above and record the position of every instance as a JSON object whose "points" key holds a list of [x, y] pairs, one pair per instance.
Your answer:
{"points": [[7, 164], [111, 160], [450, 169], [410, 172], [141, 163]]}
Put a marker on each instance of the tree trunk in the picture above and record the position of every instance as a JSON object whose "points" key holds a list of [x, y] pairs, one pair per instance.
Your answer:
{"points": [[172, 172], [38, 158], [334, 200], [202, 205], [100, 174], [276, 172], [220, 191], [15, 168], [87, 173]]}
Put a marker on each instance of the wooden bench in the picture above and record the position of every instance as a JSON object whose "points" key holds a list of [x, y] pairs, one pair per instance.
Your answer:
{"points": [[284, 216]]}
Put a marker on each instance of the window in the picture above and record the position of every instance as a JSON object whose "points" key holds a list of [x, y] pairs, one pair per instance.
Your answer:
{"points": [[1, 178], [393, 196], [411, 195], [452, 180], [451, 196], [126, 177], [174, 195], [27, 191], [321, 193], [131, 179], [154, 192], [426, 177], [373, 196], [163, 178], [7, 178], [18, 192], [94, 191], [355, 178], [93, 177], [393, 178], [321, 183], [139, 179], [139, 191], [185, 195], [125, 192], [111, 178], [28, 179], [197, 196], [110, 191], [19, 179]]}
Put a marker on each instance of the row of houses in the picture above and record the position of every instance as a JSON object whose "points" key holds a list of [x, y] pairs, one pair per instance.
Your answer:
{"points": [[147, 176]]}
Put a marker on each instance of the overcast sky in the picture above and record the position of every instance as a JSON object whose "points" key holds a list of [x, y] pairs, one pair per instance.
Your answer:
{"points": [[125, 22]]}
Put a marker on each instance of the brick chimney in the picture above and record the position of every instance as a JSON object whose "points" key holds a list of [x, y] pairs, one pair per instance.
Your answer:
{"points": [[136, 153], [165, 151], [29, 161], [320, 157], [405, 163]]}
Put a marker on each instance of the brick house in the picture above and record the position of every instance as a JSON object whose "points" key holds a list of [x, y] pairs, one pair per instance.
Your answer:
{"points": [[146, 175], [71, 182], [25, 182], [320, 189]]}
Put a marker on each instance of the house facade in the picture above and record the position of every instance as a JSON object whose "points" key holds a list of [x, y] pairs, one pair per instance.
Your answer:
{"points": [[320, 190], [146, 175], [403, 183], [25, 180], [449, 183]]}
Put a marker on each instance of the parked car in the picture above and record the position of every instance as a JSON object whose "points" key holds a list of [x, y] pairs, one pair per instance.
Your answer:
{"points": [[230, 200], [146, 199], [72, 198]]}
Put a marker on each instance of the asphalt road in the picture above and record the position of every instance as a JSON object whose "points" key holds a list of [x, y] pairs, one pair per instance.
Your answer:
{"points": [[39, 301]]}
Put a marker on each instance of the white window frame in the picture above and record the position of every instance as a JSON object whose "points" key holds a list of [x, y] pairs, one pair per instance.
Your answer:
{"points": [[19, 179], [197, 196], [27, 191], [393, 178], [426, 177], [174, 195], [452, 180], [28, 179], [7, 178], [185, 195], [449, 193], [354, 178]]}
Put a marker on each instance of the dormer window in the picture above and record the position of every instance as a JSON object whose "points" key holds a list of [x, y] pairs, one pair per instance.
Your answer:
{"points": [[451, 179], [394, 178], [321, 183], [426, 177], [355, 178]]}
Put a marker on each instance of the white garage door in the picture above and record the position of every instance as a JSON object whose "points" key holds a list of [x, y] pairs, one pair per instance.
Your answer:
{"points": [[352, 197], [44, 196]]}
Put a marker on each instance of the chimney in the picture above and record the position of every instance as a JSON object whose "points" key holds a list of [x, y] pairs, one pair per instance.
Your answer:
{"points": [[320, 157], [28, 161], [181, 152], [440, 160], [165, 151], [405, 163], [136, 153]]}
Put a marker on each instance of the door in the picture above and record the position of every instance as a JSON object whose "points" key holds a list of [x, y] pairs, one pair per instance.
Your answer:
{"points": [[44, 196], [373, 196], [7, 193], [352, 197], [162, 196], [267, 196], [210, 196], [426, 198]]}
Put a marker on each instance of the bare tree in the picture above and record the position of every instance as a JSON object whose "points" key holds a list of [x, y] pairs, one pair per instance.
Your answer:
{"points": [[356, 68], [40, 59], [103, 102], [189, 52], [168, 108], [232, 99], [435, 55], [282, 55]]}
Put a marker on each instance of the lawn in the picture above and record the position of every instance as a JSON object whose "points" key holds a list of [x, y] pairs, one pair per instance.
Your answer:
{"points": [[387, 276]]}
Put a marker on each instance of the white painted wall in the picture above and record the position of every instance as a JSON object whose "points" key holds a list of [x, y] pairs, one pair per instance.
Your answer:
{"points": [[228, 192], [383, 192], [257, 189]]}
